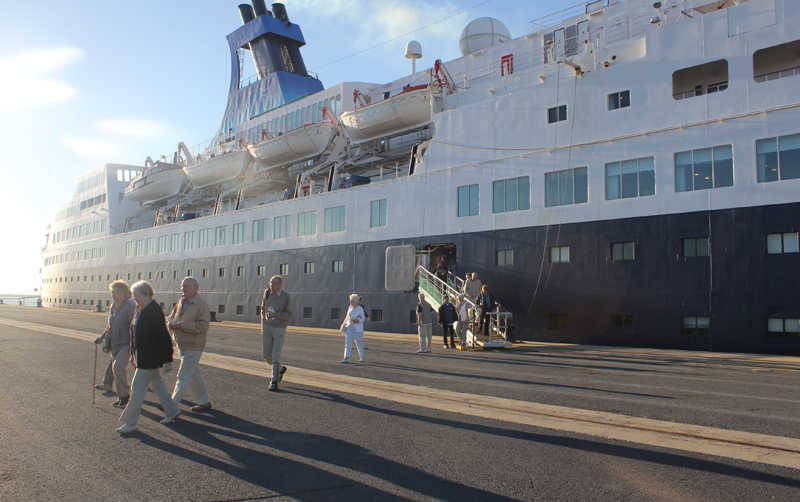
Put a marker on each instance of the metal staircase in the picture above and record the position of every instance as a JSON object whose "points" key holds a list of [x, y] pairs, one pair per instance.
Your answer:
{"points": [[434, 289]]}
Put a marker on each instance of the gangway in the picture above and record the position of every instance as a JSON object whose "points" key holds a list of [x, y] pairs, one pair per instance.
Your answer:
{"points": [[433, 288]]}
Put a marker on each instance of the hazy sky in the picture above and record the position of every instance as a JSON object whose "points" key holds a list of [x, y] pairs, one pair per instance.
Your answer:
{"points": [[87, 82]]}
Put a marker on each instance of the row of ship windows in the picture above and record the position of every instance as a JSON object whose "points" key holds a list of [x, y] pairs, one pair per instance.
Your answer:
{"points": [[288, 121], [334, 221], [777, 158], [77, 231], [73, 256]]}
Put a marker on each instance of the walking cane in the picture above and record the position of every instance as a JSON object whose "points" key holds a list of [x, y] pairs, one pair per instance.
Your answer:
{"points": [[94, 373]]}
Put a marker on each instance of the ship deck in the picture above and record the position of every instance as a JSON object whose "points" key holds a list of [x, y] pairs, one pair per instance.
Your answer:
{"points": [[539, 421]]}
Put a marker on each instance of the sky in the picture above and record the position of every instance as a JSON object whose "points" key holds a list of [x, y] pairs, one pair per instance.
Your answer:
{"points": [[87, 82]]}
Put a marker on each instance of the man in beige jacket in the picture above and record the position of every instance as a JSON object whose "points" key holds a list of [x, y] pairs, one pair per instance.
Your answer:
{"points": [[188, 322]]}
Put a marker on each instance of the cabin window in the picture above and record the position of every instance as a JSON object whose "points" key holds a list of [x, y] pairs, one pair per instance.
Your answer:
{"points": [[617, 100], [783, 243], [219, 236], [622, 321], [777, 62], [630, 178], [559, 254], [204, 238], [513, 194], [283, 269], [377, 213], [259, 230], [175, 243], [204, 273], [701, 79], [778, 158], [334, 219], [569, 186], [504, 257], [468, 197], [623, 251], [280, 227], [240, 310], [188, 272], [239, 271], [237, 236], [174, 275], [556, 114], [221, 309], [307, 313], [221, 272], [163, 244], [307, 223], [261, 270], [695, 247], [376, 315], [337, 266], [309, 267], [783, 326], [336, 313], [704, 168], [188, 240]]}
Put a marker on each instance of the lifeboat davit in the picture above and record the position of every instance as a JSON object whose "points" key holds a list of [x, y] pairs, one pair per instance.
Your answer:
{"points": [[159, 182], [407, 110], [294, 146], [219, 168]]}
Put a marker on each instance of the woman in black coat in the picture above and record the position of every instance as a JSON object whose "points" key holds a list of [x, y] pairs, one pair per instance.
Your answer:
{"points": [[151, 348]]}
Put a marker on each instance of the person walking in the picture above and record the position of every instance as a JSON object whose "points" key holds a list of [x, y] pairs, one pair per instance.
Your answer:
{"points": [[447, 316], [188, 322], [485, 305], [472, 286], [151, 347], [424, 324], [353, 326], [275, 316], [463, 319], [117, 338]]}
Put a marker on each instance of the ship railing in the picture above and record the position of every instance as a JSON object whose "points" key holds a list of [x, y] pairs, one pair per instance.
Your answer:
{"points": [[790, 72], [499, 322]]}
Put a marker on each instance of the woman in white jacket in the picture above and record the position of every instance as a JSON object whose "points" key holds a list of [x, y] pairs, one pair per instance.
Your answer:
{"points": [[353, 328]]}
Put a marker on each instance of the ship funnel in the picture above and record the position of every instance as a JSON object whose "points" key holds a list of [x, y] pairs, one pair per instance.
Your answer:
{"points": [[246, 11], [259, 7], [280, 12]]}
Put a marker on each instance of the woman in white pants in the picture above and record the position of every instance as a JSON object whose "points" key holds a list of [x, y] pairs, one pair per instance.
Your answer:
{"points": [[353, 326]]}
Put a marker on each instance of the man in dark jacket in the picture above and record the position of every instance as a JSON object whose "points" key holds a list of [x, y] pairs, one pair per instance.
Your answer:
{"points": [[151, 347], [485, 305], [447, 316]]}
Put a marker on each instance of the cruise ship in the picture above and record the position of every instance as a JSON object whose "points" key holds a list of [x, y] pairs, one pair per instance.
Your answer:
{"points": [[626, 173]]}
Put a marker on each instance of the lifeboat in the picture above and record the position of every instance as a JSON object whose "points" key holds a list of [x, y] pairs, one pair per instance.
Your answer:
{"points": [[407, 110], [219, 168], [293, 146], [159, 182]]}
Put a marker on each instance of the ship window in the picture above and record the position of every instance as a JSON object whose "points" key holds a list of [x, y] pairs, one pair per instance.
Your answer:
{"points": [[468, 197], [163, 244], [511, 195], [623, 251], [783, 326], [377, 213], [695, 246], [188, 240], [557, 321], [307, 312], [559, 254], [309, 267], [701, 79], [161, 274], [188, 272], [696, 325], [280, 227], [307, 223], [556, 114], [174, 275], [237, 236], [376, 315], [504, 257], [139, 276], [630, 178], [782, 243], [777, 62], [219, 236], [239, 271], [336, 313], [334, 219], [617, 100], [221, 272], [283, 269], [259, 230], [568, 186], [221, 309], [175, 243], [152, 246], [204, 273], [240, 310], [704, 168], [622, 321], [337, 266], [778, 158], [204, 238]]}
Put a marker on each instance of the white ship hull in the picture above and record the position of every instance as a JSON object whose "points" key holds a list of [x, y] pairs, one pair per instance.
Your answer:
{"points": [[300, 144], [156, 186], [217, 169], [399, 113]]}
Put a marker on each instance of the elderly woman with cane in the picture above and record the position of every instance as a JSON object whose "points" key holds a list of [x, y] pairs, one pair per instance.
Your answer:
{"points": [[116, 339], [151, 348], [353, 327]]}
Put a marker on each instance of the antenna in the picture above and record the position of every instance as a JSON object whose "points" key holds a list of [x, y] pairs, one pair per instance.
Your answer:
{"points": [[413, 52]]}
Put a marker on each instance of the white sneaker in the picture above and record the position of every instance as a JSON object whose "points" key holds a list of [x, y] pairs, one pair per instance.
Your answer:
{"points": [[169, 420], [127, 428], [420, 351]]}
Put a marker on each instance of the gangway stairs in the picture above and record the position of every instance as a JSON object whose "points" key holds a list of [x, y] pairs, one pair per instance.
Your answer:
{"points": [[433, 288]]}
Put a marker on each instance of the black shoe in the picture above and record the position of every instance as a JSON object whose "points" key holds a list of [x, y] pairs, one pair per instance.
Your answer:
{"points": [[201, 407], [281, 372], [273, 387], [121, 403], [109, 393]]}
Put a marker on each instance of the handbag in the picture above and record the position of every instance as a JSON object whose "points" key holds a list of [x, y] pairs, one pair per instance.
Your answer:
{"points": [[106, 343]]}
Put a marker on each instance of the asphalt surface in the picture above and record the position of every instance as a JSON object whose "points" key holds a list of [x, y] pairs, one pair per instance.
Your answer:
{"points": [[306, 444]]}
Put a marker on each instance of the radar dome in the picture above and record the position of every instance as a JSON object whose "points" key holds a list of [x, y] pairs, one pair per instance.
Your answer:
{"points": [[482, 33]]}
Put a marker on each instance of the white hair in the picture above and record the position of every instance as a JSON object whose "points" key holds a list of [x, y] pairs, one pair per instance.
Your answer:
{"points": [[354, 297], [143, 288]]}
